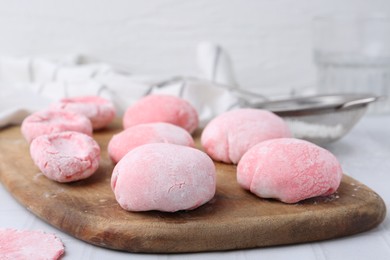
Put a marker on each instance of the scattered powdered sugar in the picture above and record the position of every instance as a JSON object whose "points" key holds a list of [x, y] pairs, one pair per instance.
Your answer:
{"points": [[332, 197], [320, 199], [48, 194], [302, 129], [37, 176], [355, 188]]}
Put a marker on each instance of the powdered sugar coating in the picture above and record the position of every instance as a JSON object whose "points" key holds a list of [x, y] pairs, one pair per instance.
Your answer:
{"points": [[289, 170], [162, 108], [49, 121], [66, 156], [227, 137], [28, 244], [99, 110], [165, 177], [132, 137]]}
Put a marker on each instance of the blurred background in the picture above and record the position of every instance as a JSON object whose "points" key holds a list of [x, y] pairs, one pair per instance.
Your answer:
{"points": [[269, 42]]}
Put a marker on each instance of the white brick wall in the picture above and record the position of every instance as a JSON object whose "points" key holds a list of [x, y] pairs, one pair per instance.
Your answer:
{"points": [[269, 41]]}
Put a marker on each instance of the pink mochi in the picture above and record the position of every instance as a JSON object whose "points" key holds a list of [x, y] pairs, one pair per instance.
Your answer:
{"points": [[227, 137], [162, 108], [164, 177], [66, 156], [289, 170], [121, 143], [49, 121], [99, 110], [29, 244]]}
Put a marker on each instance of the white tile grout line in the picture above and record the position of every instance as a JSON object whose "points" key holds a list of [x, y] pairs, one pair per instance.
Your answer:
{"points": [[385, 234], [318, 251], [386, 239]]}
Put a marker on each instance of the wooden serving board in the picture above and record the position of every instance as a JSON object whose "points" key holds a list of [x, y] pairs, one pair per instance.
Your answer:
{"points": [[234, 219]]}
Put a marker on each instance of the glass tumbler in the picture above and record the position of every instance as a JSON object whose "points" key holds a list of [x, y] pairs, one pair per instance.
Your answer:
{"points": [[352, 55]]}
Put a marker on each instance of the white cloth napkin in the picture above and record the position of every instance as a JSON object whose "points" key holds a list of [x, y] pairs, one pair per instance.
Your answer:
{"points": [[29, 84]]}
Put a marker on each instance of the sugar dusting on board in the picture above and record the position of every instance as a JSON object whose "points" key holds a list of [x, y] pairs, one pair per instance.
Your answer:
{"points": [[320, 199], [357, 188], [53, 194], [37, 176]]}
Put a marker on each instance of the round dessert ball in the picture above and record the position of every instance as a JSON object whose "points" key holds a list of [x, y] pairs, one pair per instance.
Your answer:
{"points": [[289, 170], [66, 156], [99, 110], [121, 143], [164, 177], [54, 121], [162, 108], [227, 137]]}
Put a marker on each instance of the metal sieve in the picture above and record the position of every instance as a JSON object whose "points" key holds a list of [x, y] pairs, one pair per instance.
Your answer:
{"points": [[320, 119]]}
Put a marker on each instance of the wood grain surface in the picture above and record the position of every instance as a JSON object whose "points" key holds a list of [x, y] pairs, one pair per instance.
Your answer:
{"points": [[233, 219]]}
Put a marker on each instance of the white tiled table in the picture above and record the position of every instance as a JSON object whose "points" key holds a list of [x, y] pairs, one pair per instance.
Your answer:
{"points": [[364, 154]]}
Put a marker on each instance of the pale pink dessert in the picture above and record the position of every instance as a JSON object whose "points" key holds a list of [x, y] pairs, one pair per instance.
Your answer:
{"points": [[162, 108], [164, 177], [29, 244], [289, 170], [49, 121], [132, 137], [66, 156], [99, 110], [227, 137]]}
